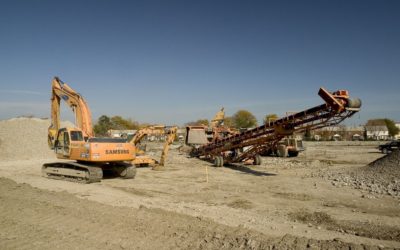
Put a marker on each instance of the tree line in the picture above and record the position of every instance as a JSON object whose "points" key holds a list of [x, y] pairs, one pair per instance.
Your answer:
{"points": [[105, 123], [241, 119]]}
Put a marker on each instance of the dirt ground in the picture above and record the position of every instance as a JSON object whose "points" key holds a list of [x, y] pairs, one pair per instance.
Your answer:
{"points": [[283, 203]]}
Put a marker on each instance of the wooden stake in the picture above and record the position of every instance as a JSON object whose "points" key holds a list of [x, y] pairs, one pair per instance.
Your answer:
{"points": [[207, 173]]}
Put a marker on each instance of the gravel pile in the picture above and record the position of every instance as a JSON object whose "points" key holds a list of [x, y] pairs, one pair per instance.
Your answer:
{"points": [[380, 177], [282, 162], [25, 139], [293, 162]]}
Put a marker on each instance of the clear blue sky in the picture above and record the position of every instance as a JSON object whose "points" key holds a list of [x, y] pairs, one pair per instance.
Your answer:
{"points": [[176, 61]]}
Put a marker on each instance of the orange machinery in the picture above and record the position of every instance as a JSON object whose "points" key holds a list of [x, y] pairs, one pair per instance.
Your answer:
{"points": [[159, 130], [85, 155], [247, 146]]}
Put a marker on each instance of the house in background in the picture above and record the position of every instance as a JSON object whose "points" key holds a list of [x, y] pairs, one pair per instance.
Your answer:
{"points": [[377, 132], [339, 133], [398, 134]]}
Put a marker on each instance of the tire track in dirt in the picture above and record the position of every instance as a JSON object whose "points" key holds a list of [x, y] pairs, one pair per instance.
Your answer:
{"points": [[365, 229]]}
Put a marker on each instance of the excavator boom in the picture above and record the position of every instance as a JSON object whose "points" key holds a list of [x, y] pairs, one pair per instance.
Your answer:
{"points": [[83, 119]]}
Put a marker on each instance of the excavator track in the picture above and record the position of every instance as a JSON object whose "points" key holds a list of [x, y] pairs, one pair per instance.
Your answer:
{"points": [[125, 170], [72, 171]]}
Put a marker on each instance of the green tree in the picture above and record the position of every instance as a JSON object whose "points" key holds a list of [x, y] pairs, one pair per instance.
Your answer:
{"points": [[105, 123], [228, 121], [120, 123], [270, 118], [102, 126], [199, 122], [204, 122], [244, 119], [393, 130]]}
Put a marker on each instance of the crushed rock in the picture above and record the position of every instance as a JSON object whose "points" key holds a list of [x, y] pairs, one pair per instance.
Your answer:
{"points": [[381, 176], [290, 163]]}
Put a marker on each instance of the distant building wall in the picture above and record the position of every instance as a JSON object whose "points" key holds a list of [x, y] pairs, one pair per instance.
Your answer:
{"points": [[398, 134], [339, 133], [377, 132]]}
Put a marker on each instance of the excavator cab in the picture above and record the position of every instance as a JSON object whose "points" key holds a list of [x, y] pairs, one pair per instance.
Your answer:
{"points": [[65, 136]]}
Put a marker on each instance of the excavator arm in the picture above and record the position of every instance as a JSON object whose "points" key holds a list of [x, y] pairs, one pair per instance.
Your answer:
{"points": [[170, 133], [141, 133], [83, 119]]}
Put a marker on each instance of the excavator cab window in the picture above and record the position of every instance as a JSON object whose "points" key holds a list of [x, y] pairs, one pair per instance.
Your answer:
{"points": [[62, 142], [76, 136]]}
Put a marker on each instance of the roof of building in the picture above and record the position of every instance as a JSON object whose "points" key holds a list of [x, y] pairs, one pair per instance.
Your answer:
{"points": [[376, 128]]}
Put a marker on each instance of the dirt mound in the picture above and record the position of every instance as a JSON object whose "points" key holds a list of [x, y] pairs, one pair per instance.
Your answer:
{"points": [[388, 165], [381, 176], [25, 138]]}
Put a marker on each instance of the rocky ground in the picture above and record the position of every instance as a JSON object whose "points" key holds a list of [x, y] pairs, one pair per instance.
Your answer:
{"points": [[381, 176], [292, 203]]}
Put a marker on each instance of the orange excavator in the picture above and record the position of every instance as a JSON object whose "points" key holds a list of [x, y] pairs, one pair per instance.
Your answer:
{"points": [[157, 130], [85, 157]]}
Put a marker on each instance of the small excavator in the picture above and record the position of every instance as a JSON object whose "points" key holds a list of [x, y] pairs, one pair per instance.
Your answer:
{"points": [[159, 130], [85, 157]]}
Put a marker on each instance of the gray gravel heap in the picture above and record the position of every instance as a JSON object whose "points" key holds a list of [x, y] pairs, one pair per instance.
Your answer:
{"points": [[381, 176]]}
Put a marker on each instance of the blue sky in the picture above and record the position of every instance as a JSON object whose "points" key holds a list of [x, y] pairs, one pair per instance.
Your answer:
{"points": [[176, 61]]}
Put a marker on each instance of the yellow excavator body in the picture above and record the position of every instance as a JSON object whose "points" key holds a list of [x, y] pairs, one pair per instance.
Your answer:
{"points": [[89, 156]]}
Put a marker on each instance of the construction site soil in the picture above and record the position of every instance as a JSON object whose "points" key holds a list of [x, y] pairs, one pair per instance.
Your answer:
{"points": [[335, 195]]}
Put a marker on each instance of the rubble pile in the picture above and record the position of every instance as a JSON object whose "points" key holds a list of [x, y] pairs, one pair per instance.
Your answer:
{"points": [[380, 177], [282, 163], [293, 162]]}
